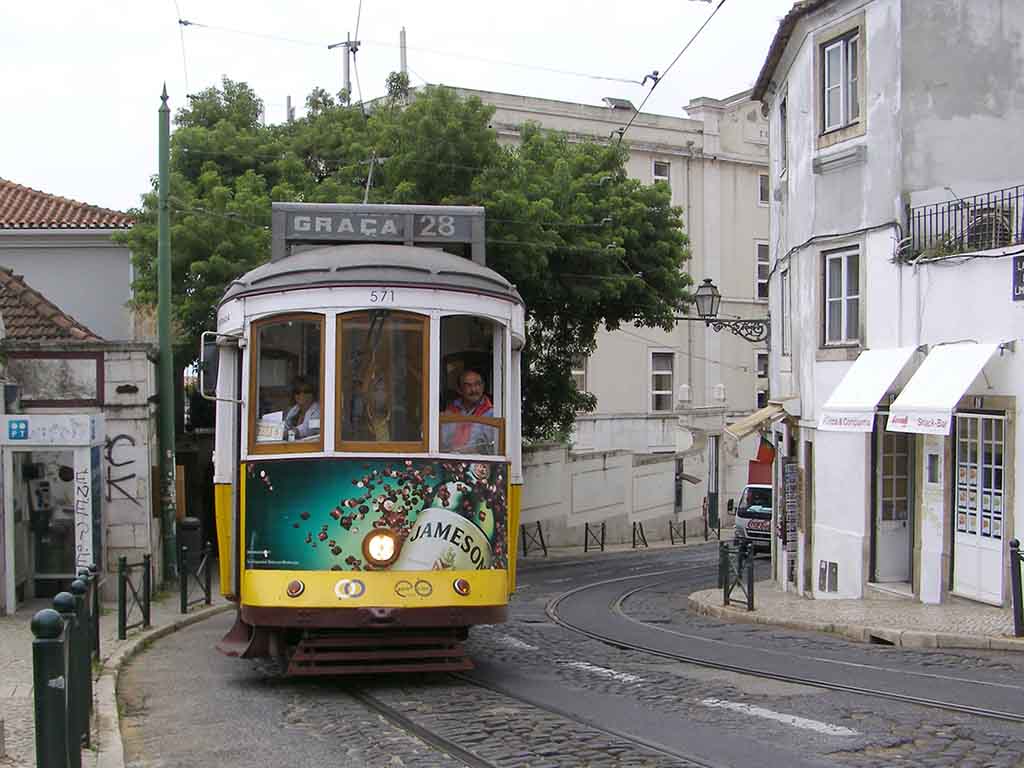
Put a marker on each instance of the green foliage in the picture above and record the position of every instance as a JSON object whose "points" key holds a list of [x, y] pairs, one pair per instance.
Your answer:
{"points": [[585, 245]]}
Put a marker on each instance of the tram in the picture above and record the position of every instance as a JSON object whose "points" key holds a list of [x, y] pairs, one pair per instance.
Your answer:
{"points": [[367, 462]]}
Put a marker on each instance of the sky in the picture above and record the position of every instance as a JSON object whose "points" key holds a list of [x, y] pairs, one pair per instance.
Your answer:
{"points": [[80, 82]]}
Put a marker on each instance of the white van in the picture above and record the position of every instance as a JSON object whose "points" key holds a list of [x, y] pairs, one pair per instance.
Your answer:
{"points": [[754, 517]]}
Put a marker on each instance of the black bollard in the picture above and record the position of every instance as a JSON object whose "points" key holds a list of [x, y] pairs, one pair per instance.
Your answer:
{"points": [[1015, 588], [64, 604], [94, 575], [183, 577], [83, 663], [147, 589], [49, 689], [208, 572], [122, 598]]}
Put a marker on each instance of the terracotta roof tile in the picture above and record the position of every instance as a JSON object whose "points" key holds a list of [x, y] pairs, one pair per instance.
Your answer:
{"points": [[30, 316], [25, 208]]}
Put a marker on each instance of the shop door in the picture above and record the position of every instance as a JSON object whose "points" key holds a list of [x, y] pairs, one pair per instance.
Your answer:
{"points": [[893, 502], [978, 537]]}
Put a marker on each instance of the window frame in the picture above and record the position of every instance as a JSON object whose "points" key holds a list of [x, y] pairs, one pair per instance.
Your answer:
{"points": [[283, 447], [651, 373], [758, 282], [783, 136], [844, 297], [667, 178], [758, 357], [832, 129], [581, 371], [765, 187], [390, 446]]}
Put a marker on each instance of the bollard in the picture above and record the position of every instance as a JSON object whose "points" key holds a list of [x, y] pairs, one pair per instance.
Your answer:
{"points": [[684, 532], [208, 574], [64, 604], [122, 598], [723, 565], [94, 574], [183, 576], [749, 560], [1015, 587], [147, 589], [49, 689], [83, 665]]}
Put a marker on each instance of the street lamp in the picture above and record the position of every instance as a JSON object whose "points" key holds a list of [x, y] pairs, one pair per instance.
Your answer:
{"points": [[708, 298]]}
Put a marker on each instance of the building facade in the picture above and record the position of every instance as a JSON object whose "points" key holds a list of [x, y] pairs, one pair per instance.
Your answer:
{"points": [[667, 392], [897, 196]]}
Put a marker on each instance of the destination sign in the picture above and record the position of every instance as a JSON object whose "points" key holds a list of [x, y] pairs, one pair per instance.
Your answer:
{"points": [[363, 227]]}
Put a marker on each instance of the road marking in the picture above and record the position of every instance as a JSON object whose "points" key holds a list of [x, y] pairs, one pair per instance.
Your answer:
{"points": [[796, 722], [622, 677], [514, 642]]}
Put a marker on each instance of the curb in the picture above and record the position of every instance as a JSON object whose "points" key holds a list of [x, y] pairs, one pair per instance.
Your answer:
{"points": [[109, 751], [902, 638]]}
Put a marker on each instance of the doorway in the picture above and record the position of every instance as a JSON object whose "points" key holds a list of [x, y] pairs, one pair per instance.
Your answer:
{"points": [[893, 505], [979, 502]]}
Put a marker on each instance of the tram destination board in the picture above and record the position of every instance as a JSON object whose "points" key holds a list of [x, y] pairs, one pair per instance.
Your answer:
{"points": [[353, 223]]}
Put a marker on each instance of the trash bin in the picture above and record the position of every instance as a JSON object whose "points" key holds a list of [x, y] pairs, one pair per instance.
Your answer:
{"points": [[190, 534]]}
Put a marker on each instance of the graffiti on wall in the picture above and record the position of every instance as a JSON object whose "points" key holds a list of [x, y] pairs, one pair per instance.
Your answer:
{"points": [[122, 464]]}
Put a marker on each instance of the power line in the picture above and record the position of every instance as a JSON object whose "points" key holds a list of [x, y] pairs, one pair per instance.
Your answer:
{"points": [[436, 52], [658, 78], [181, 31]]}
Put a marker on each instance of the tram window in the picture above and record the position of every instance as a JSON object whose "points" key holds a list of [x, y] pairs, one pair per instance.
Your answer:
{"points": [[382, 364], [472, 383], [288, 380]]}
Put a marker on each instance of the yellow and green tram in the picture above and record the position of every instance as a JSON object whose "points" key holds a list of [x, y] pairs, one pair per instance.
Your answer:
{"points": [[367, 461]]}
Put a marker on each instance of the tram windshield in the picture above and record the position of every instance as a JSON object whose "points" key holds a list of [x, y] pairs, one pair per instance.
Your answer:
{"points": [[382, 387], [288, 379], [472, 381]]}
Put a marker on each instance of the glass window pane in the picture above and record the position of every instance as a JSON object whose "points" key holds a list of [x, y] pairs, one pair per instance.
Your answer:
{"points": [[762, 252], [470, 345], [470, 437], [382, 386], [835, 321], [762, 289], [661, 361], [833, 64], [763, 188], [835, 277], [852, 274], [288, 383], [851, 87], [661, 402], [852, 319]]}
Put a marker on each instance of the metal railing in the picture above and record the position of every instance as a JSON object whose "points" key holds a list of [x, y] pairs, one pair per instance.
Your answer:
{"points": [[62, 648], [200, 573], [967, 224], [128, 595], [1016, 561], [736, 571]]}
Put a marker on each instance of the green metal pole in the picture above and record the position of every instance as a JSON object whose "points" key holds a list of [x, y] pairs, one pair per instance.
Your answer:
{"points": [[166, 388]]}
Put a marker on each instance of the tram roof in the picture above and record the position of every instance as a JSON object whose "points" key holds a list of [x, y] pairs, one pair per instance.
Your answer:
{"points": [[372, 264]]}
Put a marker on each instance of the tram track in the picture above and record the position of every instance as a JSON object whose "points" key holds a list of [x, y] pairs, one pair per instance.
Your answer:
{"points": [[619, 640]]}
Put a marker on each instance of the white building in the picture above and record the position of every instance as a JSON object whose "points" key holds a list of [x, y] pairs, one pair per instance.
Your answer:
{"points": [[896, 293], [661, 392]]}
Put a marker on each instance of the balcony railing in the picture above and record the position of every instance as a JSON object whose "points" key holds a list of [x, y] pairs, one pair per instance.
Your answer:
{"points": [[967, 224]]}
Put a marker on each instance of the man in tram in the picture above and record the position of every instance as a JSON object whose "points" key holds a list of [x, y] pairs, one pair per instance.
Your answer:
{"points": [[467, 437], [304, 417]]}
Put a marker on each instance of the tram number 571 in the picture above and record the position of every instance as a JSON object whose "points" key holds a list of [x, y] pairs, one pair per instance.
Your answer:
{"points": [[382, 296]]}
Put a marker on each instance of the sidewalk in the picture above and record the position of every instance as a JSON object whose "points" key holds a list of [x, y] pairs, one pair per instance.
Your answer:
{"points": [[880, 617], [16, 702]]}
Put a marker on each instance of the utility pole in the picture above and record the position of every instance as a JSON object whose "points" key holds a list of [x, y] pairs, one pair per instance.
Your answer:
{"points": [[351, 48], [405, 62], [166, 386]]}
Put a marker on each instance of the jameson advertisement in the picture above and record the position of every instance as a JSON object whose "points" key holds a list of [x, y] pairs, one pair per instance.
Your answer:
{"points": [[313, 514]]}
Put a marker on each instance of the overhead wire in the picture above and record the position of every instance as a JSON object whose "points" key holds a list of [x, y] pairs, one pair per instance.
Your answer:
{"points": [[181, 31], [658, 78]]}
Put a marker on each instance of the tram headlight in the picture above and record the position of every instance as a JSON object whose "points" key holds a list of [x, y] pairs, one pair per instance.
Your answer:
{"points": [[380, 547]]}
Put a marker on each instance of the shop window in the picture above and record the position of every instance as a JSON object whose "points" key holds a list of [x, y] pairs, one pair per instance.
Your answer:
{"points": [[382, 381], [472, 385], [287, 381]]}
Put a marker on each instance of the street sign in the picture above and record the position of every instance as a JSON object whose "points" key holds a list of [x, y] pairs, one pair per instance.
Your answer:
{"points": [[1018, 278]]}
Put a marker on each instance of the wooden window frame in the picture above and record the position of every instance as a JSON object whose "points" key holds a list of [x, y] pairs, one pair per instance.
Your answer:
{"points": [[651, 373], [841, 34], [371, 446], [490, 421], [283, 447], [843, 255]]}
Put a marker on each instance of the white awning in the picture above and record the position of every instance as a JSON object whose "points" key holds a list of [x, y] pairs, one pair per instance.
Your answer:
{"points": [[926, 404], [750, 424], [851, 408]]}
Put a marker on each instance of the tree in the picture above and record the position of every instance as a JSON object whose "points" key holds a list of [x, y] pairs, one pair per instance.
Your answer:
{"points": [[585, 245]]}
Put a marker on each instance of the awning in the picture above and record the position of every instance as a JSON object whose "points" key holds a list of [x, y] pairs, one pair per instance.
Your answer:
{"points": [[851, 408], [750, 424], [926, 404]]}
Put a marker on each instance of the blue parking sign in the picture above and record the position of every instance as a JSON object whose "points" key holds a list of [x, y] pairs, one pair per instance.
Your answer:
{"points": [[17, 429]]}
